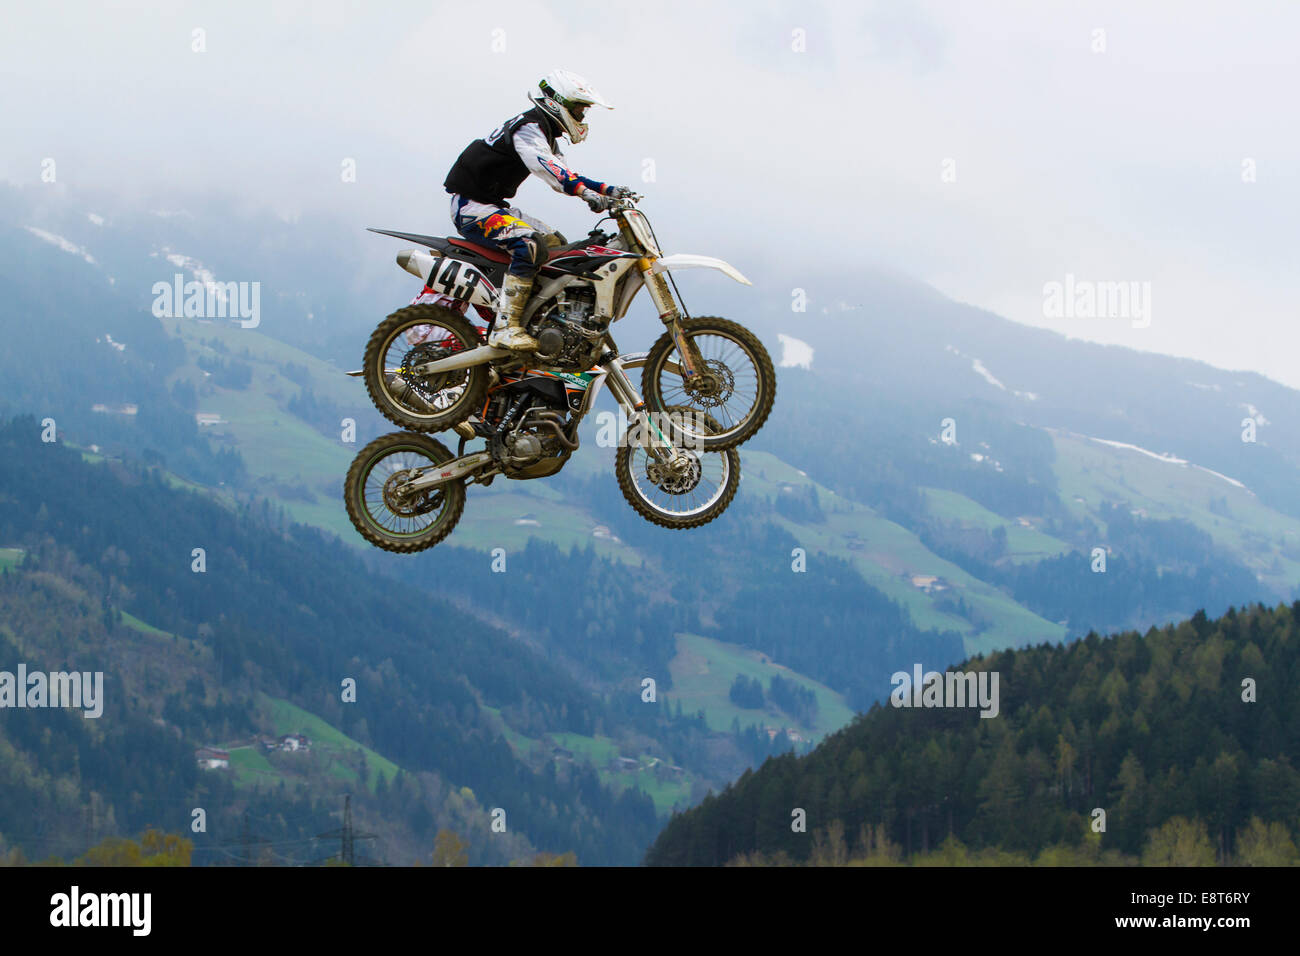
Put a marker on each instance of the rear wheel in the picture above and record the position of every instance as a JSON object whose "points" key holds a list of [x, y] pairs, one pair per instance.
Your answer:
{"points": [[688, 496], [736, 387], [378, 509], [423, 403]]}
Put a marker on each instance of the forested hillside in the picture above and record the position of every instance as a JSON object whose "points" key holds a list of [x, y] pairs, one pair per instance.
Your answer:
{"points": [[1186, 738], [277, 609]]}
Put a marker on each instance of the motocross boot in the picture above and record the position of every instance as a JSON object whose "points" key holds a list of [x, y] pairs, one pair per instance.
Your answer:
{"points": [[508, 330]]}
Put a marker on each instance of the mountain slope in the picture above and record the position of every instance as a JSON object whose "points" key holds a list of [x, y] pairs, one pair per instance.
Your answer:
{"points": [[1146, 728]]}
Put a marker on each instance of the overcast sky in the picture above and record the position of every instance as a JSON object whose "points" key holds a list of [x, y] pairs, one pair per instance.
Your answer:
{"points": [[985, 148]]}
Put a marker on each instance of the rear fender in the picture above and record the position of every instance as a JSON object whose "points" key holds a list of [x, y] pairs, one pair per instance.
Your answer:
{"points": [[450, 277]]}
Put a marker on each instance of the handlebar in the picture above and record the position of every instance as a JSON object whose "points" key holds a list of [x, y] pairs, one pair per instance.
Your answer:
{"points": [[628, 202]]}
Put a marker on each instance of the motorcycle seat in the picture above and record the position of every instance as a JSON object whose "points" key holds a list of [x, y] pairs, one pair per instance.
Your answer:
{"points": [[486, 251], [490, 253]]}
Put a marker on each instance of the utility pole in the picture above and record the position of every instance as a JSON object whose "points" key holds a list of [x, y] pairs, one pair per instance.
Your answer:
{"points": [[246, 841], [346, 836], [90, 823]]}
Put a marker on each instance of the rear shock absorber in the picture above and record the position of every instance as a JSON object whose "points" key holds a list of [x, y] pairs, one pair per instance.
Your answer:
{"points": [[510, 414]]}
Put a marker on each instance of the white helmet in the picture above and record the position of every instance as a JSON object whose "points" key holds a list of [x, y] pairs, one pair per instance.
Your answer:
{"points": [[566, 96]]}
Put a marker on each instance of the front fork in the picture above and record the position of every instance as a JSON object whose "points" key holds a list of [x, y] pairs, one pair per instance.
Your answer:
{"points": [[660, 447], [671, 316]]}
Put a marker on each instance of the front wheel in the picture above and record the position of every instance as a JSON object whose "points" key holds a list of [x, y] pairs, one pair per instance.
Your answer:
{"points": [[379, 510], [691, 494], [736, 386]]}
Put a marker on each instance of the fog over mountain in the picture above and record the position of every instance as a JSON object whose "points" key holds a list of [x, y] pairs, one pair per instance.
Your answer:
{"points": [[987, 150]]}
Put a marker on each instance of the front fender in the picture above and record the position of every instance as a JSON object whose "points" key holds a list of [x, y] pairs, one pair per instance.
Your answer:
{"points": [[686, 260]]}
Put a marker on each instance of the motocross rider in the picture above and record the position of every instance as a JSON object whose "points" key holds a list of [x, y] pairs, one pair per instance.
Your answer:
{"points": [[489, 172]]}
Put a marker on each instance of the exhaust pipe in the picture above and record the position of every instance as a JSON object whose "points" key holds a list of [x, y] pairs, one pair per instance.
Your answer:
{"points": [[418, 263]]}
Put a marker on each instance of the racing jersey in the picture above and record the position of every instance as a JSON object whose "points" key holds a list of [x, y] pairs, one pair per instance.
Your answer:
{"points": [[490, 170]]}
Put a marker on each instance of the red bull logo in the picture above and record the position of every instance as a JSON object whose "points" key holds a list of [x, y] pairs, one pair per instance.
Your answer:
{"points": [[500, 222]]}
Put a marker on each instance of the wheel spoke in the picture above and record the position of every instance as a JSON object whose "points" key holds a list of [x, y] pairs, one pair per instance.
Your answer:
{"points": [[732, 365]]}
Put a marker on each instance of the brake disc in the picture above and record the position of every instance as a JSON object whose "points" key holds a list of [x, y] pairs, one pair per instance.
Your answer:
{"points": [[712, 386], [409, 506], [675, 481]]}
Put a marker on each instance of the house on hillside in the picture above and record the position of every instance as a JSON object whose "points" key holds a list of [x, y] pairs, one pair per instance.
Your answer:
{"points": [[210, 758], [294, 742], [929, 583]]}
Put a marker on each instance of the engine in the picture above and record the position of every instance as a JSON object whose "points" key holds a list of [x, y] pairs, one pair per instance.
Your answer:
{"points": [[528, 429], [568, 335]]}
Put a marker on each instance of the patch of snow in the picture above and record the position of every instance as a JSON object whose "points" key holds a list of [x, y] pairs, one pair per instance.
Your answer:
{"points": [[795, 353], [985, 374], [1231, 481], [992, 379], [1172, 460], [1253, 412], [198, 270], [62, 243]]}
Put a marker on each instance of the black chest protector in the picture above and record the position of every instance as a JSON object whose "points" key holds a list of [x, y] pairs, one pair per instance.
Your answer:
{"points": [[489, 170]]}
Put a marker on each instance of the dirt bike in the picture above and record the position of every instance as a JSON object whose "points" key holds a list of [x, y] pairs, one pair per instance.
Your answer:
{"points": [[405, 491], [428, 368]]}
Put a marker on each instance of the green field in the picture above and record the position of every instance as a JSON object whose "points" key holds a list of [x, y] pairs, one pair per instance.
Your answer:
{"points": [[131, 621], [1023, 544], [250, 767], [1265, 540], [519, 743], [704, 669], [290, 719], [887, 555], [666, 794], [664, 789], [11, 557], [597, 751]]}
